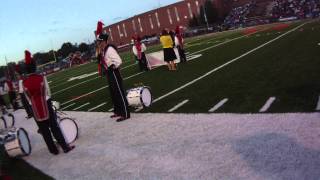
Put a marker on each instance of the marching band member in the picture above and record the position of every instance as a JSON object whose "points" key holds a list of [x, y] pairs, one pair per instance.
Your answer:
{"points": [[111, 62], [97, 33], [24, 100], [138, 50], [179, 44], [10, 89], [37, 92], [168, 51]]}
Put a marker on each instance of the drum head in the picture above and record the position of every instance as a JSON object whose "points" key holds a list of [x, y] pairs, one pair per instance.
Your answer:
{"points": [[146, 97], [69, 129], [24, 141]]}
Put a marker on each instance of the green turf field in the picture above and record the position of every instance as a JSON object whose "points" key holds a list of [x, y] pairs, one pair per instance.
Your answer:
{"points": [[285, 68]]}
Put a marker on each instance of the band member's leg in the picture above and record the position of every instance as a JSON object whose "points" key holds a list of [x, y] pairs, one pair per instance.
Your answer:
{"points": [[46, 134], [141, 66], [12, 97], [112, 89], [55, 128], [120, 95], [182, 54], [26, 105], [144, 61]]}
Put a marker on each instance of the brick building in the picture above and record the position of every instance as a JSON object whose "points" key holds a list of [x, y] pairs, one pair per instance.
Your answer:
{"points": [[152, 22]]}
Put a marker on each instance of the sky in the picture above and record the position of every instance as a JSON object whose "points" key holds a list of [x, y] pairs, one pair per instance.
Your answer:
{"points": [[42, 25]]}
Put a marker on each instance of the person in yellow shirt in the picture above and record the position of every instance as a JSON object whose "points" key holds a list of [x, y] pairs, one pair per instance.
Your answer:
{"points": [[168, 51]]}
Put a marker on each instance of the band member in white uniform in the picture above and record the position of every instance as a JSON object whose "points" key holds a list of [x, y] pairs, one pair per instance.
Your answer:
{"points": [[138, 50], [111, 62], [9, 87], [179, 42], [37, 92], [24, 100]]}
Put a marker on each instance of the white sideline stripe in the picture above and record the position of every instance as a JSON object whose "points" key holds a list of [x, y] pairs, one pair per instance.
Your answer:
{"points": [[217, 106], [98, 89], [81, 82], [86, 104], [110, 110], [318, 105], [178, 105], [267, 105], [94, 108], [220, 67], [139, 109], [68, 106]]}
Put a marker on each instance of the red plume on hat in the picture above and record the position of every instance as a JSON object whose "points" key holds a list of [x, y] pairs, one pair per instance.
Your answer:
{"points": [[27, 56], [99, 28], [178, 30]]}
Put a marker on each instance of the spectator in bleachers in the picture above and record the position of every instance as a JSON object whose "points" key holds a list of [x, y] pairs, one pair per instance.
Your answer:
{"points": [[295, 8]]}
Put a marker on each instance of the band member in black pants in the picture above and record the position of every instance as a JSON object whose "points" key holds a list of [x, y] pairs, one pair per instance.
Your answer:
{"points": [[179, 42], [111, 62], [138, 50], [37, 92]]}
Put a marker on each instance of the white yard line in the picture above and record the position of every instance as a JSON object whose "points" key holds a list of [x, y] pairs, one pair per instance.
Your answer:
{"points": [[110, 109], [267, 105], [225, 42], [100, 105], [62, 90], [75, 85], [318, 105], [68, 106], [83, 105], [226, 64], [98, 90], [178, 105], [220, 104], [138, 109]]}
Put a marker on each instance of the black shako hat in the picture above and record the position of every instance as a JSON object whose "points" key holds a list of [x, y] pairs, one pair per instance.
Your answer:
{"points": [[103, 37]]}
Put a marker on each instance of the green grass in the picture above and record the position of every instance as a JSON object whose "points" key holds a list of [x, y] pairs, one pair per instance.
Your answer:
{"points": [[285, 69]]}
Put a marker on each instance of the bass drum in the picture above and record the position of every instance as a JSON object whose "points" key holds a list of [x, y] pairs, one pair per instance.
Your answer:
{"points": [[17, 143], [69, 129], [139, 97]]}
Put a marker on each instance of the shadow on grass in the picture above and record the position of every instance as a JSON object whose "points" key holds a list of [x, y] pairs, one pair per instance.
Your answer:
{"points": [[277, 156]]}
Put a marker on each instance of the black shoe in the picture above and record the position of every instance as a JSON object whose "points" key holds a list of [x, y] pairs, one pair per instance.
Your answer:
{"points": [[114, 116], [70, 148], [55, 152], [121, 119]]}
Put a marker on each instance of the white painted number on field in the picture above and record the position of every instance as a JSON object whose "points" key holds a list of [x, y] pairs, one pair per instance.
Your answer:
{"points": [[178, 105], [217, 106], [82, 76], [192, 57], [267, 104]]}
